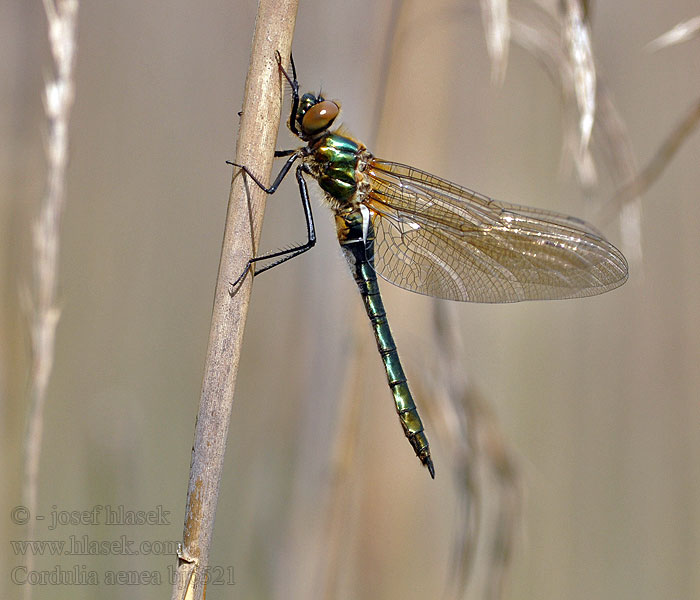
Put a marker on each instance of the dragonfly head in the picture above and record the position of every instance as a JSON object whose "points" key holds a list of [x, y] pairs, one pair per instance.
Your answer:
{"points": [[315, 115]]}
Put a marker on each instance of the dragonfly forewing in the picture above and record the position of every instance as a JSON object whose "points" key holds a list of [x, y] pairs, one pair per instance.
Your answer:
{"points": [[440, 239]]}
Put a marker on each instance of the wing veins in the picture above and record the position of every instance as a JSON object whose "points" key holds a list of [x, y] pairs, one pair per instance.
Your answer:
{"points": [[440, 239]]}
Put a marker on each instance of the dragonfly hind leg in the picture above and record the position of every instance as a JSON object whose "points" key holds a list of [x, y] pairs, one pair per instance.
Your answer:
{"points": [[289, 253]]}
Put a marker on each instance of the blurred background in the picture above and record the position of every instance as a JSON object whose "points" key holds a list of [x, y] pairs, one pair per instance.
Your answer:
{"points": [[565, 434]]}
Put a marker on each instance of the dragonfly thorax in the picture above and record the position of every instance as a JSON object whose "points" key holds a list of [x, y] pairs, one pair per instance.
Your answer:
{"points": [[333, 160]]}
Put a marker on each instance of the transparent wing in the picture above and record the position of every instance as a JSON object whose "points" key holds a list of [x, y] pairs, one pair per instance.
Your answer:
{"points": [[437, 238]]}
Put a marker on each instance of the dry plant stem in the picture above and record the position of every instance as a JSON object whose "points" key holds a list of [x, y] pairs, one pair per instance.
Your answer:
{"points": [[661, 159], [343, 463], [256, 144], [41, 305]]}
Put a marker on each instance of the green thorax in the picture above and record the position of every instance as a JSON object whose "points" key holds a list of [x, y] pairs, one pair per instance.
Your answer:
{"points": [[334, 164]]}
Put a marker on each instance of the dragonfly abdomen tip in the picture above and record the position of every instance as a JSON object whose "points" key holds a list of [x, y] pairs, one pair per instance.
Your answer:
{"points": [[431, 469]]}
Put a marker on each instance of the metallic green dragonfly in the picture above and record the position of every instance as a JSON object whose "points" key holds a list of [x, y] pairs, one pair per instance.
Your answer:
{"points": [[430, 236]]}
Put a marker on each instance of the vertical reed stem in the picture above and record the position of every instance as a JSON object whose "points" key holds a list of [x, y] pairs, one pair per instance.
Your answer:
{"points": [[256, 143]]}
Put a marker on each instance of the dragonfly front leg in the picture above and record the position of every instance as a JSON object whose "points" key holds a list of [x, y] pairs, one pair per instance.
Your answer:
{"points": [[294, 84], [295, 154], [289, 253]]}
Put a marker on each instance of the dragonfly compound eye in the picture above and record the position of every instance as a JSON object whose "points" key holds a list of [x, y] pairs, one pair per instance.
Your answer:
{"points": [[319, 117]]}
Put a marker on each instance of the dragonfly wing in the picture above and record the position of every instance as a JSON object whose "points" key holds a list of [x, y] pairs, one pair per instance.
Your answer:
{"points": [[440, 239]]}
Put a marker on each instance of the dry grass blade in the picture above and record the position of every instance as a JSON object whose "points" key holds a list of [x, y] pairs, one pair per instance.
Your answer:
{"points": [[40, 303], [613, 144], [680, 33], [483, 470], [342, 467], [662, 157], [494, 14], [502, 477], [448, 404], [627, 200], [580, 55], [560, 39], [537, 31], [540, 33]]}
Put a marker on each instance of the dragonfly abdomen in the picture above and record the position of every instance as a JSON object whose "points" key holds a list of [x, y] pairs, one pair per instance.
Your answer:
{"points": [[359, 252]]}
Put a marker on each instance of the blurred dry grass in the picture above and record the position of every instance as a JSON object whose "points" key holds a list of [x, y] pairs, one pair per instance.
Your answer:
{"points": [[598, 397]]}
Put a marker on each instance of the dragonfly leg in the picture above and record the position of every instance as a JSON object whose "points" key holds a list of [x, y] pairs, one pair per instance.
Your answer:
{"points": [[285, 255], [280, 176], [294, 84]]}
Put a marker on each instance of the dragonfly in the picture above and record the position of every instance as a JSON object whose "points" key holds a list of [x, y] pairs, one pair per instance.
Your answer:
{"points": [[430, 236]]}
